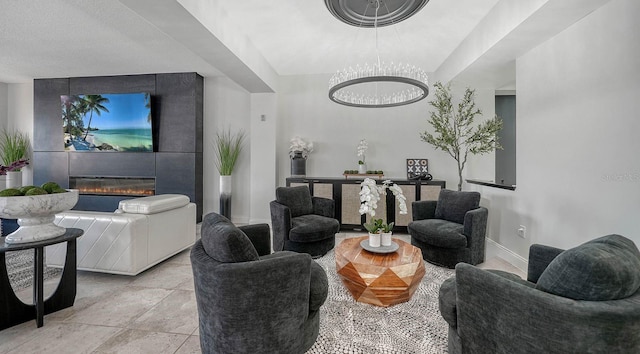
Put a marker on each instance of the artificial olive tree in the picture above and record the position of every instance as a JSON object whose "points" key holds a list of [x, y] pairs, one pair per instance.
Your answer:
{"points": [[455, 132]]}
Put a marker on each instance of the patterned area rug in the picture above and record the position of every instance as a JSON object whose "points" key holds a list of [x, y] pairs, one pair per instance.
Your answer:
{"points": [[347, 326], [20, 269]]}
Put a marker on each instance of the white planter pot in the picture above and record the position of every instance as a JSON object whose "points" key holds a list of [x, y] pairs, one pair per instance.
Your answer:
{"points": [[225, 196], [14, 179], [374, 240], [3, 182], [385, 239], [362, 169]]}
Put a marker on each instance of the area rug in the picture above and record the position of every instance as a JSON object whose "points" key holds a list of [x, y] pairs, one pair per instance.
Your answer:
{"points": [[20, 269], [347, 326]]}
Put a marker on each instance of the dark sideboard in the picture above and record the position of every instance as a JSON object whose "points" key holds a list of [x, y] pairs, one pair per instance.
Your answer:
{"points": [[345, 193]]}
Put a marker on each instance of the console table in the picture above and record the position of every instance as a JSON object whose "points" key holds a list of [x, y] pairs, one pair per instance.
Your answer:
{"points": [[12, 310], [345, 193]]}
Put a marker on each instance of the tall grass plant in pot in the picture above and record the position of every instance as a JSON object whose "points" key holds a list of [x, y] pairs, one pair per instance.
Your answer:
{"points": [[14, 153], [227, 147]]}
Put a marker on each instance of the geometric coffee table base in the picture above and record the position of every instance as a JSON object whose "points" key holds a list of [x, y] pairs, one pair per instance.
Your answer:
{"points": [[379, 279]]}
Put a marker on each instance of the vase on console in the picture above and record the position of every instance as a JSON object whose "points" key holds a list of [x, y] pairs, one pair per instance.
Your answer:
{"points": [[298, 152], [298, 164]]}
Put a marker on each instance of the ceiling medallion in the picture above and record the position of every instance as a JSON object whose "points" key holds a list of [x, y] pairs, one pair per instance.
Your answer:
{"points": [[362, 13], [380, 84]]}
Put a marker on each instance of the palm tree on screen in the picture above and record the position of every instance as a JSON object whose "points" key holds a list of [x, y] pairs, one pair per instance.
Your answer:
{"points": [[93, 104]]}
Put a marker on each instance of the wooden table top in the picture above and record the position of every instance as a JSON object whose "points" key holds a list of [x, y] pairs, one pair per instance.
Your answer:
{"points": [[379, 279], [351, 250]]}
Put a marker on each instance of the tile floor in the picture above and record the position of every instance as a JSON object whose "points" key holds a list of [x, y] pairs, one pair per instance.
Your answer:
{"points": [[154, 312]]}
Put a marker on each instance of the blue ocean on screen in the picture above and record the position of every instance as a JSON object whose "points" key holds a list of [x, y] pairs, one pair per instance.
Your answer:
{"points": [[124, 139]]}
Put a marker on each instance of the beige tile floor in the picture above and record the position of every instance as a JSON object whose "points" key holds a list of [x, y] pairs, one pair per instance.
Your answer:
{"points": [[154, 312]]}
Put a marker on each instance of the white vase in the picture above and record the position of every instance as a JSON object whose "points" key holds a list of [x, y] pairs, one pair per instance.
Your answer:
{"points": [[14, 179], [374, 240], [385, 239], [225, 196], [362, 168]]}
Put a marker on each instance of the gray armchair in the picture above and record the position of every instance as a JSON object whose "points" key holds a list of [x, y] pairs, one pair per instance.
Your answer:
{"points": [[250, 301], [583, 300], [303, 223], [450, 230]]}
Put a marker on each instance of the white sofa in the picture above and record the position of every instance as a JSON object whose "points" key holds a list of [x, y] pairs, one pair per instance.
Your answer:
{"points": [[140, 234]]}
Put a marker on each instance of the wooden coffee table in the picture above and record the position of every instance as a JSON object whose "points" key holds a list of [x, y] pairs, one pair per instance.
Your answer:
{"points": [[379, 279]]}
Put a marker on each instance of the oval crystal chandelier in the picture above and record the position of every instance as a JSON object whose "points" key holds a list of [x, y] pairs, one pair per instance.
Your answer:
{"points": [[379, 84]]}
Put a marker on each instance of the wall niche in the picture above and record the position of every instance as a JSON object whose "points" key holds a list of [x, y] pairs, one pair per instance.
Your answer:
{"points": [[175, 164]]}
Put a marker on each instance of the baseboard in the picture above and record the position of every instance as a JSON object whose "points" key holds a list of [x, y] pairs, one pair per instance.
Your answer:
{"points": [[494, 249]]}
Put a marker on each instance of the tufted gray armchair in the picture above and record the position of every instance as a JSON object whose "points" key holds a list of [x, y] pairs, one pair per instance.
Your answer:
{"points": [[250, 301], [450, 230], [583, 300], [302, 223]]}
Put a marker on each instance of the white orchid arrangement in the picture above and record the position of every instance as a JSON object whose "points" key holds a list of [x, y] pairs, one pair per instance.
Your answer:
{"points": [[370, 195], [362, 149], [298, 144]]}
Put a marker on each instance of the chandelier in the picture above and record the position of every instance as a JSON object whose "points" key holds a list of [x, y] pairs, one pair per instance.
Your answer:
{"points": [[378, 84]]}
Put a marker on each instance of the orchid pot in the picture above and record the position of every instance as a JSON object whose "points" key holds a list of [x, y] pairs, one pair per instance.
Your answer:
{"points": [[374, 239]]}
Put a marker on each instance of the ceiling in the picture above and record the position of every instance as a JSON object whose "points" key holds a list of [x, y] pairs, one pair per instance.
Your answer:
{"points": [[253, 42], [63, 38]]}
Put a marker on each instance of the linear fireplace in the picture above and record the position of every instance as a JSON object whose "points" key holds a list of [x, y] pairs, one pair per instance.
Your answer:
{"points": [[118, 186]]}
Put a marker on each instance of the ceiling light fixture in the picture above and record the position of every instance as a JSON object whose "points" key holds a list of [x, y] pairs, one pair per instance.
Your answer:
{"points": [[380, 84]]}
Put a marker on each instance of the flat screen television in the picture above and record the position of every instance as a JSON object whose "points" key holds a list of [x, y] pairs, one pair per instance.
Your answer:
{"points": [[107, 122]]}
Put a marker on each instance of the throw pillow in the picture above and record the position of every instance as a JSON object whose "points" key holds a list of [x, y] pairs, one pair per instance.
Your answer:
{"points": [[453, 205], [607, 268], [224, 242], [298, 199]]}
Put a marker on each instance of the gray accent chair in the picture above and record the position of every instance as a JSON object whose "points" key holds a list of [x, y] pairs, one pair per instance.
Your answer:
{"points": [[250, 301], [450, 230], [302, 223], [582, 300]]}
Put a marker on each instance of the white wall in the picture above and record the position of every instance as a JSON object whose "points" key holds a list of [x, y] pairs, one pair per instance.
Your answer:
{"points": [[393, 134], [226, 106], [263, 155], [20, 117], [578, 169], [4, 104]]}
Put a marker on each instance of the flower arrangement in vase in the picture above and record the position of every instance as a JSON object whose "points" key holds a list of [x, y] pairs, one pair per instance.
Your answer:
{"points": [[362, 149], [370, 195], [301, 146], [298, 152]]}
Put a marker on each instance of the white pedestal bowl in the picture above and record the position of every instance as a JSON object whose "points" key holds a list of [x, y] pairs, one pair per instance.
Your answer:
{"points": [[35, 214]]}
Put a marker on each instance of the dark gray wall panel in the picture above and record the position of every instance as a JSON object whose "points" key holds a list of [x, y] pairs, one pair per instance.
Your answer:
{"points": [[47, 114], [98, 202], [109, 164], [177, 110], [112, 84], [51, 167], [176, 96], [177, 173]]}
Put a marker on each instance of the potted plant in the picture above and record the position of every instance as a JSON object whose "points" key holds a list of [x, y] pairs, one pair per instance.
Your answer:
{"points": [[362, 149], [298, 152], [14, 150], [455, 131], [227, 148], [370, 195]]}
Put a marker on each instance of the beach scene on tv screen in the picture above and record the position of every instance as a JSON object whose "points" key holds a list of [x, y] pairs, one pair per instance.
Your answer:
{"points": [[107, 122]]}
